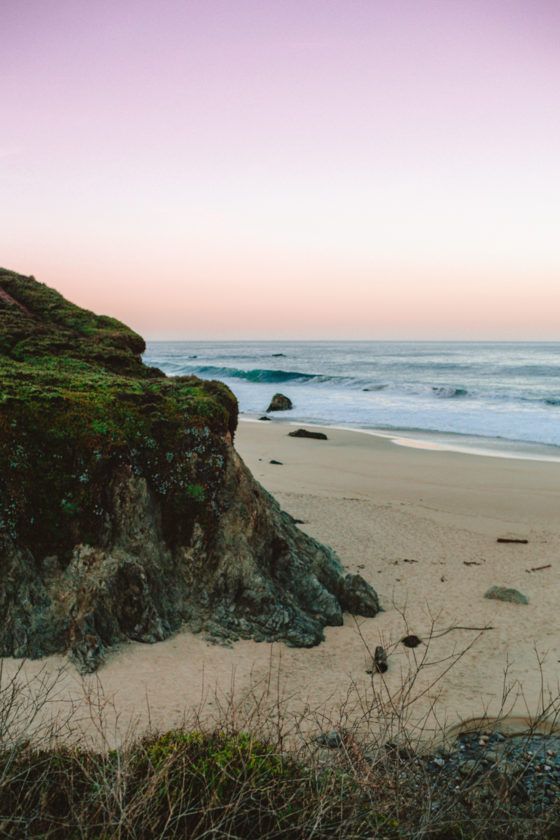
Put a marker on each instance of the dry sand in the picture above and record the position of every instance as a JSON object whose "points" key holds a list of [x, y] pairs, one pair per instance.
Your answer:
{"points": [[421, 526]]}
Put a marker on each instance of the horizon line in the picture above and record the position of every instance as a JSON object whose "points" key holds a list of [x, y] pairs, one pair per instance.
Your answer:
{"points": [[357, 340]]}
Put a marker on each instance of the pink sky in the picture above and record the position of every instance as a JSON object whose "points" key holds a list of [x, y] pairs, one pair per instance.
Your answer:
{"points": [[287, 168]]}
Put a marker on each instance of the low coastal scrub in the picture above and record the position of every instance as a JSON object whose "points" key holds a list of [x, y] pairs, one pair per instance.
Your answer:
{"points": [[182, 784], [268, 774], [232, 784]]}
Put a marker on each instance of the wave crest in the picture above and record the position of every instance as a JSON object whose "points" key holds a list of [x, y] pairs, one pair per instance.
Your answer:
{"points": [[448, 392], [257, 374]]}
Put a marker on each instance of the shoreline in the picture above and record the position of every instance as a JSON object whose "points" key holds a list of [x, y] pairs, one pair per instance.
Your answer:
{"points": [[421, 526], [487, 447]]}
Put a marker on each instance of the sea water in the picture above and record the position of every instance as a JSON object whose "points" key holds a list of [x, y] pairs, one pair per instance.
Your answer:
{"points": [[496, 397]]}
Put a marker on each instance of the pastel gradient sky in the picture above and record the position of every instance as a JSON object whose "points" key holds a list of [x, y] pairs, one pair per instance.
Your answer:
{"points": [[287, 168]]}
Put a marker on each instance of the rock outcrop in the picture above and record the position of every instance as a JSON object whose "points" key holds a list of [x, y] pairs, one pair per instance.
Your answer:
{"points": [[125, 510]]}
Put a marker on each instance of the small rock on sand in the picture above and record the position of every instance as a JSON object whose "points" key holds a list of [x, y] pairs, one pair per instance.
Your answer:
{"points": [[303, 433], [411, 641], [502, 593]]}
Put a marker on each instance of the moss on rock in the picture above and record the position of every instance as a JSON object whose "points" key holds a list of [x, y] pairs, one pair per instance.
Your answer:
{"points": [[76, 403]]}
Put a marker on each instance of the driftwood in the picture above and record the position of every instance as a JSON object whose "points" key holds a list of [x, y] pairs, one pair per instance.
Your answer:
{"points": [[512, 540], [539, 568], [459, 627]]}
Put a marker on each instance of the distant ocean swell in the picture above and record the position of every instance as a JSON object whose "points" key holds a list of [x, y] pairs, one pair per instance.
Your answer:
{"points": [[499, 391], [257, 374], [270, 376]]}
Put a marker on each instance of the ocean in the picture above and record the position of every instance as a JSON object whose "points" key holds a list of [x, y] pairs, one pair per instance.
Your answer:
{"points": [[493, 397]]}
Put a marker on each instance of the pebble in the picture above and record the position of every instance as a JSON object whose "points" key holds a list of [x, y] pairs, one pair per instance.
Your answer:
{"points": [[468, 767]]}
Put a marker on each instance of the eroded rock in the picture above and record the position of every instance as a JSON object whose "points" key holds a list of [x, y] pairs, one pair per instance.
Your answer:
{"points": [[125, 511]]}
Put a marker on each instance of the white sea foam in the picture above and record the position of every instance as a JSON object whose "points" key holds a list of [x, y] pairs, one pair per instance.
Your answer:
{"points": [[501, 391]]}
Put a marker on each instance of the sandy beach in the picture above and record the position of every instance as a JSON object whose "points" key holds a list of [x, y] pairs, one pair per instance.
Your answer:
{"points": [[421, 525]]}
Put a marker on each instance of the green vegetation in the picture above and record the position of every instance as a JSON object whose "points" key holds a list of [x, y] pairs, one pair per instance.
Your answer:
{"points": [[177, 785], [36, 321], [196, 784], [77, 405]]}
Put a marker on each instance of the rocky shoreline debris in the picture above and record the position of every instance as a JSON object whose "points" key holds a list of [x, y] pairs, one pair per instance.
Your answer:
{"points": [[482, 768], [525, 769]]}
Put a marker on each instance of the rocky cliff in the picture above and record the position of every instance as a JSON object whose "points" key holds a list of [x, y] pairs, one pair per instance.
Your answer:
{"points": [[125, 510]]}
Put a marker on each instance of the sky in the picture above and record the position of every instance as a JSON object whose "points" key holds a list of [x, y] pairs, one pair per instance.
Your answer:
{"points": [[321, 169]]}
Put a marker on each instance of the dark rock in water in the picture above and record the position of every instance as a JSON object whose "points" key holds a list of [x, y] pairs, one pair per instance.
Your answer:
{"points": [[264, 417], [273, 461], [280, 402], [380, 660], [303, 433], [125, 510], [502, 593], [411, 641]]}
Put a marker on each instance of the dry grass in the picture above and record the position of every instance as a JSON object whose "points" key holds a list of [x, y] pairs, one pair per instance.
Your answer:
{"points": [[260, 771]]}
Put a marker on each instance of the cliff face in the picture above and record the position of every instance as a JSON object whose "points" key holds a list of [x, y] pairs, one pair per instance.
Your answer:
{"points": [[125, 510]]}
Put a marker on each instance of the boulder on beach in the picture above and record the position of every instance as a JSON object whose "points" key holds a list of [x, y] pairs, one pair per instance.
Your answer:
{"points": [[304, 433], [280, 402], [125, 510], [502, 593]]}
